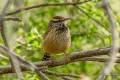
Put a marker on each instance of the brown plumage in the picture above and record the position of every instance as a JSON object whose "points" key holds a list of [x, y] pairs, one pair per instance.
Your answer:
{"points": [[57, 38]]}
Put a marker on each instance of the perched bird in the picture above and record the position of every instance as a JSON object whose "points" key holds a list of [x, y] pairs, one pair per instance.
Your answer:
{"points": [[57, 38]]}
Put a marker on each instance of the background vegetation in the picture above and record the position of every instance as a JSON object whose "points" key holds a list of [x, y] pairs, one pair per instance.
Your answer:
{"points": [[25, 37]]}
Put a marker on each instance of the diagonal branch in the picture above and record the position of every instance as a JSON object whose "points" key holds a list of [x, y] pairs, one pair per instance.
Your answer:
{"points": [[8, 52], [87, 14], [45, 5], [92, 18]]}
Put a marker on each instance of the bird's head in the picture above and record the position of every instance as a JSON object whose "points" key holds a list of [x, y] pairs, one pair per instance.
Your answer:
{"points": [[59, 19], [57, 22]]}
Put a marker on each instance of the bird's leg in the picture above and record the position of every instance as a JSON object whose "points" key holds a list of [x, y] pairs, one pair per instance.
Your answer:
{"points": [[46, 57]]}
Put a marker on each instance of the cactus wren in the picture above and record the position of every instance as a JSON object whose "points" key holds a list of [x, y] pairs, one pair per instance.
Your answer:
{"points": [[57, 38]]}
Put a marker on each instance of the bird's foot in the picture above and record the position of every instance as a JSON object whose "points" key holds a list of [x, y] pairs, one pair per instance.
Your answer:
{"points": [[46, 58]]}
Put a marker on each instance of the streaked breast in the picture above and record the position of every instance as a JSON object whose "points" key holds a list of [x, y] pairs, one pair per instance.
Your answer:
{"points": [[57, 41]]}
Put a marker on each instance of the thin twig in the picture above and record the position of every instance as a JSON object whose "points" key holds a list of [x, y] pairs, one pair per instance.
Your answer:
{"points": [[15, 62], [87, 14], [61, 74], [5, 7], [115, 41], [45, 5], [10, 19], [66, 78], [96, 59]]}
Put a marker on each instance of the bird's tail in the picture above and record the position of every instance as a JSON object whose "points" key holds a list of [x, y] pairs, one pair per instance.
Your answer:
{"points": [[46, 57]]}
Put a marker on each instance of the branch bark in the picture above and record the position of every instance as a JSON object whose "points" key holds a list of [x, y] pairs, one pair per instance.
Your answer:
{"points": [[96, 59], [45, 5], [75, 56], [13, 60], [10, 19], [61, 74], [115, 41], [22, 62]]}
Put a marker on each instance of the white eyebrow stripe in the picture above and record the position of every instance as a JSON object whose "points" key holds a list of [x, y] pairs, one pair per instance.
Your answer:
{"points": [[55, 19]]}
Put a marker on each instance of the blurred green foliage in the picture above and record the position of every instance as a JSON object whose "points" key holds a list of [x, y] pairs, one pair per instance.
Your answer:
{"points": [[25, 37]]}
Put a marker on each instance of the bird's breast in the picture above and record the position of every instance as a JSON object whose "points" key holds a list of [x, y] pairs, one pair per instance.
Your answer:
{"points": [[57, 41]]}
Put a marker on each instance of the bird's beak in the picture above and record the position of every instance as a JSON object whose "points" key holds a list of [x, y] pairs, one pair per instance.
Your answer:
{"points": [[66, 19]]}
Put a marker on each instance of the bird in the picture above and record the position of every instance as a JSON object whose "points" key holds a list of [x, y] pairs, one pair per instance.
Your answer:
{"points": [[57, 38]]}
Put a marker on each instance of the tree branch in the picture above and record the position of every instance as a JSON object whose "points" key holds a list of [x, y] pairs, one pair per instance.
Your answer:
{"points": [[75, 56], [115, 41], [96, 59], [61, 74], [13, 60], [87, 14], [2, 24], [23, 62], [10, 19], [45, 5]]}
